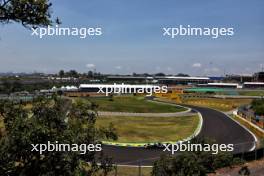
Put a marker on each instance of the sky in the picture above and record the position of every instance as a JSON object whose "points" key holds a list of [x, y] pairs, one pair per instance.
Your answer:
{"points": [[133, 41]]}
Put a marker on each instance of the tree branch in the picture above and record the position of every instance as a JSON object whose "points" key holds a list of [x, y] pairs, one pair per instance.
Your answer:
{"points": [[5, 3]]}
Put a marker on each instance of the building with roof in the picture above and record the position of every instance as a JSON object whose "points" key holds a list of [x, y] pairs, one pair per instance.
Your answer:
{"points": [[178, 80], [221, 85], [253, 85]]}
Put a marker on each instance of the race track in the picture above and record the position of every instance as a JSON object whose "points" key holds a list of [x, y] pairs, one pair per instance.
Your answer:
{"points": [[216, 126]]}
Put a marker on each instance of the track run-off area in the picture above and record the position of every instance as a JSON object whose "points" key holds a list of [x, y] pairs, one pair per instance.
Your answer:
{"points": [[216, 126]]}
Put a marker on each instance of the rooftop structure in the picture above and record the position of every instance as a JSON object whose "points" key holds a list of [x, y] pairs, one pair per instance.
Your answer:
{"points": [[221, 85], [253, 84]]}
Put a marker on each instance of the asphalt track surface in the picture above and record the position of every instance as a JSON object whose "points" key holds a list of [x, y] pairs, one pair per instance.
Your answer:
{"points": [[216, 126]]}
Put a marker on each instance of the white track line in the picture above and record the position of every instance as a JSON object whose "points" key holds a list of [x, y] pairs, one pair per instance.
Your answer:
{"points": [[255, 138]]}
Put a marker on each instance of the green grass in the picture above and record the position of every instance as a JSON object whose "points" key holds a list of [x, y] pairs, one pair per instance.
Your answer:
{"points": [[151, 129], [252, 93], [124, 171], [131, 171], [133, 104]]}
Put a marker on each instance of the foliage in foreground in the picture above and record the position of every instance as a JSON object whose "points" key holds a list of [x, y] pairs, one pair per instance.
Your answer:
{"points": [[258, 106], [50, 120], [193, 163], [30, 13]]}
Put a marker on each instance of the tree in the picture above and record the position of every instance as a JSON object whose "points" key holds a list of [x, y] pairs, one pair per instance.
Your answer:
{"points": [[73, 73], [50, 120], [90, 74], [163, 166], [146, 74], [134, 74], [190, 163], [30, 13], [61, 73], [258, 106], [183, 75], [160, 74], [60, 93], [7, 87], [259, 110]]}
